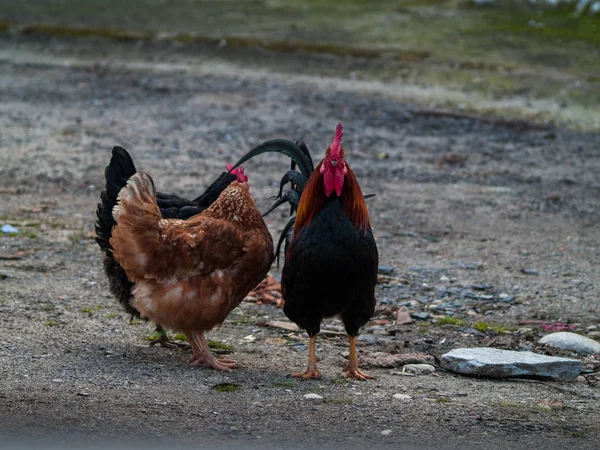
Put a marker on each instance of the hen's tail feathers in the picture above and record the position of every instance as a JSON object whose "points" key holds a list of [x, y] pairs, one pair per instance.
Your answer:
{"points": [[138, 230], [117, 173]]}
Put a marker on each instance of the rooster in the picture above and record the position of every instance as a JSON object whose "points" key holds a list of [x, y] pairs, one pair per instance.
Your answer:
{"points": [[118, 171], [189, 275], [331, 257]]}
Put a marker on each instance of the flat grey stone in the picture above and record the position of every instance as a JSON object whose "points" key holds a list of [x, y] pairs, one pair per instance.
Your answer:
{"points": [[497, 363], [572, 341]]}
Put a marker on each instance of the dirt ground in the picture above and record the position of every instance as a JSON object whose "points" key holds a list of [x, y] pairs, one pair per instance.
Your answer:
{"points": [[508, 208]]}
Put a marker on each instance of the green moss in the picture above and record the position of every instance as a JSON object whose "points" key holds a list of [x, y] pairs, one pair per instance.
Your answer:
{"points": [[450, 321], [227, 387], [111, 315], [2, 301], [182, 337], [443, 400], [495, 327], [51, 323], [340, 381], [215, 345], [90, 310], [134, 322]]}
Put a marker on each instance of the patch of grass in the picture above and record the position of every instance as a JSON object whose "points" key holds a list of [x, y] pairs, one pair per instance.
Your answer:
{"points": [[495, 327], [48, 307], [111, 315], [151, 337], [443, 400], [134, 322], [51, 323], [183, 337], [33, 224], [450, 321], [90, 310], [2, 301], [227, 387], [29, 234], [340, 381], [216, 345]]}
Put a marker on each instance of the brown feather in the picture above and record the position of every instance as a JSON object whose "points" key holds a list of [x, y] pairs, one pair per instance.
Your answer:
{"points": [[190, 274]]}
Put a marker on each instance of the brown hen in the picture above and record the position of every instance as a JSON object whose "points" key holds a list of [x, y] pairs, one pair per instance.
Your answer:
{"points": [[189, 275]]}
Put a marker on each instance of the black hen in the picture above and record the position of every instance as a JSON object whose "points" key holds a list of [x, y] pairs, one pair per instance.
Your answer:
{"points": [[118, 171]]}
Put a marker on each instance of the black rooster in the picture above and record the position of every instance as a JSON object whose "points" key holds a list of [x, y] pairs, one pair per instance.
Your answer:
{"points": [[118, 171], [330, 256]]}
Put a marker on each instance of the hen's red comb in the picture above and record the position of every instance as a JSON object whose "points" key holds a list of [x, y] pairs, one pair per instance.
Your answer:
{"points": [[337, 140], [238, 172]]}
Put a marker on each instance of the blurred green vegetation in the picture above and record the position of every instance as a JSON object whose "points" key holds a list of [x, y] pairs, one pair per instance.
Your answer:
{"points": [[498, 51]]}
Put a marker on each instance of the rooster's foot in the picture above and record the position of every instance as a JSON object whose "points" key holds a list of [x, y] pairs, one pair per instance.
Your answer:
{"points": [[355, 372]]}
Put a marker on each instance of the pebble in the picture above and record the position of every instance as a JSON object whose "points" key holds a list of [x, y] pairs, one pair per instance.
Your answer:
{"points": [[313, 397], [530, 272], [571, 341], [420, 315], [403, 317], [402, 397], [592, 328], [497, 363], [370, 339], [9, 229], [419, 369], [386, 270]]}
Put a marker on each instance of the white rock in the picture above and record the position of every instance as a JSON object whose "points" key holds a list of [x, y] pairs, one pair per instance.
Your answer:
{"points": [[386, 432], [402, 397], [496, 363], [313, 396], [419, 369], [571, 341]]}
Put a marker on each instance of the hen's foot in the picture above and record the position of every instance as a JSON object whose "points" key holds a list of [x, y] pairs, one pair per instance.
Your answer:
{"points": [[357, 374], [165, 342], [219, 364], [312, 373]]}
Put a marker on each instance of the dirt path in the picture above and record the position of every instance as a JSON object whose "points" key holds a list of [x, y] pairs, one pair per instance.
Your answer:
{"points": [[459, 202]]}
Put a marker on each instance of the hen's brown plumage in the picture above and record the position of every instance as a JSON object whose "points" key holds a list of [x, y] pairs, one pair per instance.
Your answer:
{"points": [[189, 275]]}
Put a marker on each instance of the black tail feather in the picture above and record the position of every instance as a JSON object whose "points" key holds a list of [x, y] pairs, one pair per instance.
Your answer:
{"points": [[117, 173]]}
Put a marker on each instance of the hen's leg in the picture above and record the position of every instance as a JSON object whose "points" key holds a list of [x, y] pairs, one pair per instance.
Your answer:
{"points": [[164, 341], [198, 354], [311, 371], [351, 370], [208, 358]]}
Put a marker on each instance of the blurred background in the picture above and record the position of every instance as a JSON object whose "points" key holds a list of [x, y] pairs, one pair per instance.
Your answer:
{"points": [[536, 59]]}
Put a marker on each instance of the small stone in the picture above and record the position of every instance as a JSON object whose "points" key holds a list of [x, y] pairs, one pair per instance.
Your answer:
{"points": [[249, 338], [391, 361], [481, 287], [58, 380], [83, 394], [594, 334], [419, 369], [369, 339], [386, 432], [571, 341], [497, 363], [592, 328], [444, 279], [403, 317], [313, 397], [402, 397], [530, 272], [420, 315], [9, 229], [289, 326], [386, 270]]}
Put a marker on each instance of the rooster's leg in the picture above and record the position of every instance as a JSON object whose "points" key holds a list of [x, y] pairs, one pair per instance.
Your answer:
{"points": [[351, 370], [164, 341], [207, 358], [311, 371], [198, 355]]}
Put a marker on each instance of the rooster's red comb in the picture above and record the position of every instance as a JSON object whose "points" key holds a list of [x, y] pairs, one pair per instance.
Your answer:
{"points": [[337, 140]]}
